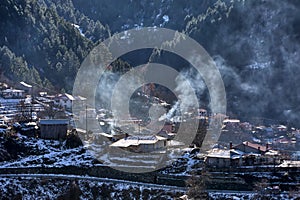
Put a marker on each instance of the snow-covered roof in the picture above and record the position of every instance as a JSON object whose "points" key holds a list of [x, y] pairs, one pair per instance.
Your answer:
{"points": [[137, 140], [225, 153], [231, 121], [26, 85], [81, 98], [175, 143], [70, 97], [13, 90], [104, 134], [272, 153], [281, 127], [235, 151], [43, 93], [219, 153], [31, 124]]}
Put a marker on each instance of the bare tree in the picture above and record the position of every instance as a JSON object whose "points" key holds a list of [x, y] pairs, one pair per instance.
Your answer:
{"points": [[53, 112], [198, 185], [261, 189]]}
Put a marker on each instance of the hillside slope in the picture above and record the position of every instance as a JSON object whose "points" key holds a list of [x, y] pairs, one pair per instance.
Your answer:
{"points": [[254, 43]]}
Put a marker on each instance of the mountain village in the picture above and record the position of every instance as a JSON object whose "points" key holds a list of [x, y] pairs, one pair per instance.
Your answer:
{"points": [[258, 150]]}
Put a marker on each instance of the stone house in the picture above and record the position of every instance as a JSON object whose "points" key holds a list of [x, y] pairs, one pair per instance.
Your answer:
{"points": [[223, 158]]}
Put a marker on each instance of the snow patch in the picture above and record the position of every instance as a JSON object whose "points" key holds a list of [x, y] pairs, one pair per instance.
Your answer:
{"points": [[166, 18]]}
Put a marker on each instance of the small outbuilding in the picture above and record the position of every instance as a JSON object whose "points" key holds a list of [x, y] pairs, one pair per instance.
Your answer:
{"points": [[55, 129]]}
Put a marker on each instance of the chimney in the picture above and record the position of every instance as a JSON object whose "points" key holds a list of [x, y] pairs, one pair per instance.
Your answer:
{"points": [[267, 146], [230, 145], [258, 148]]}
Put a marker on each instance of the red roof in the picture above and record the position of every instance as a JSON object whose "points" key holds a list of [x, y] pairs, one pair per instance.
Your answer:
{"points": [[255, 146]]}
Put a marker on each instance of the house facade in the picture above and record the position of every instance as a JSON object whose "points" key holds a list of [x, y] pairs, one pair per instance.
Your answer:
{"points": [[13, 93], [67, 100], [223, 158]]}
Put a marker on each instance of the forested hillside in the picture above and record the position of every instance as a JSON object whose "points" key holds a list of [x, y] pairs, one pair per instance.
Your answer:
{"points": [[37, 39], [254, 43]]}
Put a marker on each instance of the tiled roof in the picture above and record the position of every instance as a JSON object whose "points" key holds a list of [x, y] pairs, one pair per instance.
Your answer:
{"points": [[255, 146]]}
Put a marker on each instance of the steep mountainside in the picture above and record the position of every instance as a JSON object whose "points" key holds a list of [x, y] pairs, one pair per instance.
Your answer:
{"points": [[254, 43], [47, 42]]}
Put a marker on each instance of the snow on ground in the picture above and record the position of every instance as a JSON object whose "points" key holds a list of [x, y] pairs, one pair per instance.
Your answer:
{"points": [[52, 153], [49, 153], [51, 188], [184, 165], [79, 29], [166, 18], [232, 195], [243, 195], [69, 157]]}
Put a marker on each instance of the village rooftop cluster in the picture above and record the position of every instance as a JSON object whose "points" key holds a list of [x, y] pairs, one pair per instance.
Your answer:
{"points": [[241, 143]]}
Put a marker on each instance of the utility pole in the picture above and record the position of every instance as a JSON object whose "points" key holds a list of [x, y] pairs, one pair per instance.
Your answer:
{"points": [[86, 120], [139, 128]]}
